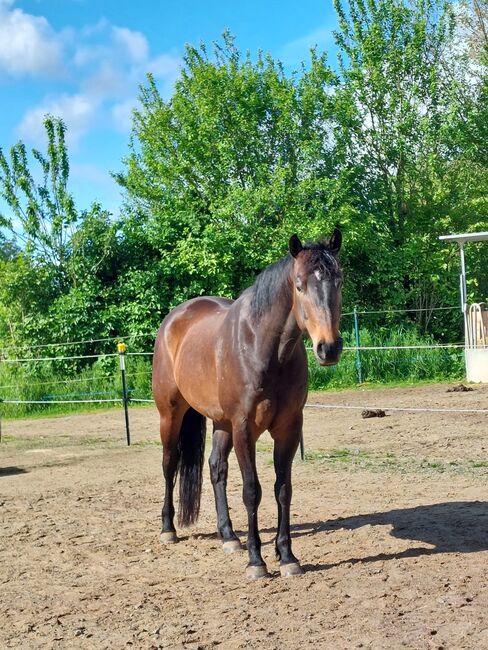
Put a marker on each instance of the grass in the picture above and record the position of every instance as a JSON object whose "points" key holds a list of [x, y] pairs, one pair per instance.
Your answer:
{"points": [[48, 381], [45, 382], [388, 366], [343, 459], [58, 441], [356, 460]]}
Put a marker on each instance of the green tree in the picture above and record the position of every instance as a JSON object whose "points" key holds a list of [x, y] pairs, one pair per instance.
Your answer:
{"points": [[45, 210], [398, 107], [8, 248], [239, 157], [395, 100], [59, 287]]}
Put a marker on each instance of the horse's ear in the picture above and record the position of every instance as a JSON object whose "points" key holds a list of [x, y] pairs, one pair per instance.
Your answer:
{"points": [[335, 241], [295, 245]]}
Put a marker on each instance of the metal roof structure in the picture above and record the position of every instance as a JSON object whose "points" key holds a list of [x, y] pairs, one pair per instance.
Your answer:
{"points": [[476, 356], [462, 239]]}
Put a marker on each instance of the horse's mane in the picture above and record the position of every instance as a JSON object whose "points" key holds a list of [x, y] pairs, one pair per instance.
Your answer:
{"points": [[271, 282]]}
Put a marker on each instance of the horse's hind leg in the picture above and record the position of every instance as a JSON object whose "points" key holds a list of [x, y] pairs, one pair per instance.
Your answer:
{"points": [[218, 462], [170, 424]]}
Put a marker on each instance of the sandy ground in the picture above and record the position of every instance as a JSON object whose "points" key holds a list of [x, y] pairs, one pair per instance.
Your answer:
{"points": [[390, 521]]}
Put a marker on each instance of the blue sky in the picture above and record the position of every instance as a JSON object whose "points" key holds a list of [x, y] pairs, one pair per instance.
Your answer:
{"points": [[83, 60]]}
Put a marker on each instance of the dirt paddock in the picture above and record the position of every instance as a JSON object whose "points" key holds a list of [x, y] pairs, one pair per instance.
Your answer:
{"points": [[390, 522]]}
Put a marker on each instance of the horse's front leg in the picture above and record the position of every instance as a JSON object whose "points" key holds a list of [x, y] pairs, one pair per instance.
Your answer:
{"points": [[286, 439], [245, 448], [218, 462]]}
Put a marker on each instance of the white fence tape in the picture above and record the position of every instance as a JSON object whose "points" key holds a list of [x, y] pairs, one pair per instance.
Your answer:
{"points": [[395, 408]]}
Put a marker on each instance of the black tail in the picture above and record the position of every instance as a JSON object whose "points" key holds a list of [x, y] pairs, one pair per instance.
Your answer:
{"points": [[192, 449]]}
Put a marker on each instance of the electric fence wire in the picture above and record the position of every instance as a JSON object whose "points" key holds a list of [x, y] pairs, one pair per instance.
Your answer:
{"points": [[148, 354], [14, 346]]}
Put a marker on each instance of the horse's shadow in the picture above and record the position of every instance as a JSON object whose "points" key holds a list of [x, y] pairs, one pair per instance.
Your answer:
{"points": [[452, 527]]}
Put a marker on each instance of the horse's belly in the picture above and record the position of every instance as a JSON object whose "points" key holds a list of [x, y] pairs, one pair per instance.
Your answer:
{"points": [[203, 403], [195, 377]]}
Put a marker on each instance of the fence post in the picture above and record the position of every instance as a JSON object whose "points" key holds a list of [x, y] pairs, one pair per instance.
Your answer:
{"points": [[358, 345], [121, 347]]}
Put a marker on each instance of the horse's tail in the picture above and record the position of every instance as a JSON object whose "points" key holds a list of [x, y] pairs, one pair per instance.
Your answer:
{"points": [[192, 449]]}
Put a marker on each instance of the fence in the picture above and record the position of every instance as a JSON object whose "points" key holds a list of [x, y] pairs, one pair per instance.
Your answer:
{"points": [[130, 381]]}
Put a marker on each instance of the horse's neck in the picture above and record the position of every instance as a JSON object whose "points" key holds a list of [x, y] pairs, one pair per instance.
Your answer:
{"points": [[290, 336], [277, 331]]}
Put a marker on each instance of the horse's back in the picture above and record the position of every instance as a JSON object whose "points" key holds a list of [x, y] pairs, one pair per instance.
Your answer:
{"points": [[205, 311]]}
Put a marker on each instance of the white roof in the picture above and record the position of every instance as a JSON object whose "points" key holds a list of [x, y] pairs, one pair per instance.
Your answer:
{"points": [[472, 236]]}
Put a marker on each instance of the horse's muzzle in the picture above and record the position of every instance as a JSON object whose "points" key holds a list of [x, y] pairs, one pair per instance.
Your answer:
{"points": [[328, 354]]}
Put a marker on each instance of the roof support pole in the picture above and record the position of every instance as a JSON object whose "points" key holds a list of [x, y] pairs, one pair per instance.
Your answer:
{"points": [[464, 295]]}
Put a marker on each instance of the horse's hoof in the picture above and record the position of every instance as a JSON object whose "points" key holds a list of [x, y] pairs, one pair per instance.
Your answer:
{"points": [[231, 546], [168, 537], [291, 569], [256, 572]]}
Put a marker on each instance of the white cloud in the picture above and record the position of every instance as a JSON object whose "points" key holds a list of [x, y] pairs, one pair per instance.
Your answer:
{"points": [[109, 63], [28, 44], [122, 114], [103, 41], [165, 65], [106, 82], [97, 28], [87, 54], [298, 50], [134, 43], [77, 111]]}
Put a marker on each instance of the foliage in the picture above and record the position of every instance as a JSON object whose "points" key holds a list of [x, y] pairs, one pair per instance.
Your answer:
{"points": [[48, 381], [396, 111], [391, 146], [389, 366], [52, 288], [45, 210], [238, 157]]}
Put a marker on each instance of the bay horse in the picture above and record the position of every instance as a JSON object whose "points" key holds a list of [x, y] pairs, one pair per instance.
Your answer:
{"points": [[243, 364]]}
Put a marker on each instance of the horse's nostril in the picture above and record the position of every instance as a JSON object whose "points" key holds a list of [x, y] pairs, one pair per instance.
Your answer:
{"points": [[329, 352], [322, 348]]}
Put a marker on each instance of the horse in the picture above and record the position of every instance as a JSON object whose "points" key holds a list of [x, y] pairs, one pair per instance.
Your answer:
{"points": [[243, 364]]}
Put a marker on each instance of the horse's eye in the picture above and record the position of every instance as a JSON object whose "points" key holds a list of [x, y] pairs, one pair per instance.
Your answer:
{"points": [[299, 289]]}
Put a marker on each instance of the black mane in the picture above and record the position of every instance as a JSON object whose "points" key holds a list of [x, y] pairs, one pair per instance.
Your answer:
{"points": [[268, 286], [271, 282]]}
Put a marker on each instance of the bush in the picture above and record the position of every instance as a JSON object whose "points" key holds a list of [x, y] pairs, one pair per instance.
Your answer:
{"points": [[388, 366]]}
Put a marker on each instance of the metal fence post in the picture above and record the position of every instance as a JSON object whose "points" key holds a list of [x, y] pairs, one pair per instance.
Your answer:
{"points": [[121, 347], [358, 345]]}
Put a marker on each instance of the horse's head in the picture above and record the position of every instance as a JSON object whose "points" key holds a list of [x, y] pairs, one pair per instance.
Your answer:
{"points": [[317, 297]]}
